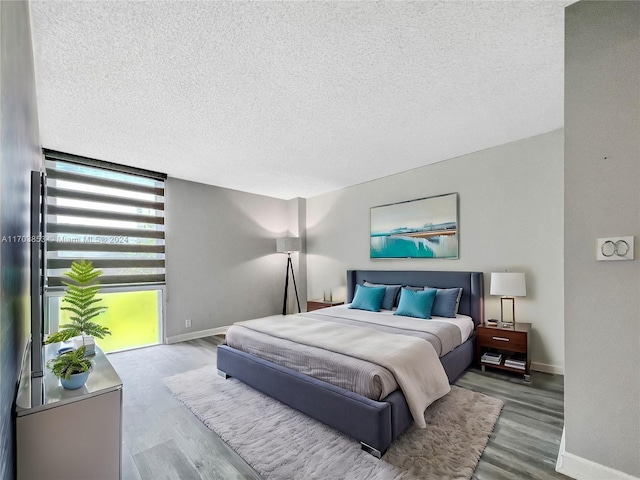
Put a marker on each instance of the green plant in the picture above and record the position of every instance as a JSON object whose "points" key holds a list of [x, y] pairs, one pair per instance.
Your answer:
{"points": [[68, 363], [82, 288]]}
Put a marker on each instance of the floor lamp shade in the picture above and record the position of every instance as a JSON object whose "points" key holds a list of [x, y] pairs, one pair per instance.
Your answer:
{"points": [[508, 285], [288, 244]]}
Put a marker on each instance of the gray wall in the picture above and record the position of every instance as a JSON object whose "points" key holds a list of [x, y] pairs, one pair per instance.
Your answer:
{"points": [[221, 260], [602, 198], [19, 154], [510, 201]]}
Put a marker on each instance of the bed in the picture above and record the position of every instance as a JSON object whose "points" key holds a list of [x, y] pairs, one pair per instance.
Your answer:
{"points": [[375, 423]]}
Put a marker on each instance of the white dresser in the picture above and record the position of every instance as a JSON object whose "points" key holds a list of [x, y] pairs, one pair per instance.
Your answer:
{"points": [[70, 434]]}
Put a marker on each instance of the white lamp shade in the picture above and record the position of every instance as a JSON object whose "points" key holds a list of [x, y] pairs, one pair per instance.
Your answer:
{"points": [[508, 284], [288, 244]]}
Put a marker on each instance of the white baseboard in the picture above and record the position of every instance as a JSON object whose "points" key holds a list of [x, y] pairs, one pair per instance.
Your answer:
{"points": [[582, 469], [193, 335], [546, 368]]}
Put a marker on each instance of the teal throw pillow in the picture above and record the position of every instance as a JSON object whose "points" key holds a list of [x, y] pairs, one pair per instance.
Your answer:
{"points": [[415, 303], [368, 298]]}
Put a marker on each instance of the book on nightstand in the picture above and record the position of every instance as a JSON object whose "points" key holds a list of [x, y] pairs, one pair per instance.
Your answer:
{"points": [[515, 363], [492, 357]]}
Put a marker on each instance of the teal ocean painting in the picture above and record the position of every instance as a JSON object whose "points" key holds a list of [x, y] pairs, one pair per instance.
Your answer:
{"points": [[423, 228]]}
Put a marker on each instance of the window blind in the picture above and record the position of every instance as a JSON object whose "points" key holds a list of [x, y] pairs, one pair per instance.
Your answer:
{"points": [[109, 214]]}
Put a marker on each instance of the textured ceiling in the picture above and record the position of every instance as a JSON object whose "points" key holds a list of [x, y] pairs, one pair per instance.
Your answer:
{"points": [[292, 99]]}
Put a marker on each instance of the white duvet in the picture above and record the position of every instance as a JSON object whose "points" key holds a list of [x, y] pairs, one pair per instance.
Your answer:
{"points": [[413, 361]]}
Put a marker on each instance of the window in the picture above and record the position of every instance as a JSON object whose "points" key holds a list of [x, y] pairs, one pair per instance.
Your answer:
{"points": [[114, 216], [133, 317]]}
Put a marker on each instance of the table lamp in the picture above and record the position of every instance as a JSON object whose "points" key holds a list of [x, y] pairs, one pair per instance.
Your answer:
{"points": [[508, 285]]}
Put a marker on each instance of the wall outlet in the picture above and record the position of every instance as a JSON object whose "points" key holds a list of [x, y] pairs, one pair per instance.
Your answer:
{"points": [[187, 323]]}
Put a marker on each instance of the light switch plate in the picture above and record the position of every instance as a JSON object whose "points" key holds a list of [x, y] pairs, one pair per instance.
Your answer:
{"points": [[615, 248]]}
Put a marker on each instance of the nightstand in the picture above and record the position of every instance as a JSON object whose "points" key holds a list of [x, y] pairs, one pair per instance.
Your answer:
{"points": [[511, 341], [318, 304]]}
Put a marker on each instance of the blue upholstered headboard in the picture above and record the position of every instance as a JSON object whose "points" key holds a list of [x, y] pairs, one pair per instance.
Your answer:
{"points": [[472, 283]]}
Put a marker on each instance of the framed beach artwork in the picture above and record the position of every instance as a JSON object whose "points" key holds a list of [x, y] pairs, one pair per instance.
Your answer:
{"points": [[422, 228]]}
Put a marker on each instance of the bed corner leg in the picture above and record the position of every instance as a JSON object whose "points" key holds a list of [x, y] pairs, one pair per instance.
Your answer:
{"points": [[222, 374], [373, 451]]}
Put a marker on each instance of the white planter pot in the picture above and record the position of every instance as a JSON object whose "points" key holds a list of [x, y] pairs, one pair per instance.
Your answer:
{"points": [[88, 341]]}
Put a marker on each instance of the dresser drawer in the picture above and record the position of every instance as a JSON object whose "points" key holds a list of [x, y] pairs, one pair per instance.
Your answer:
{"points": [[503, 339]]}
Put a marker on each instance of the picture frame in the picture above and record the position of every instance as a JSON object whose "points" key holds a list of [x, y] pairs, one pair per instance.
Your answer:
{"points": [[421, 228]]}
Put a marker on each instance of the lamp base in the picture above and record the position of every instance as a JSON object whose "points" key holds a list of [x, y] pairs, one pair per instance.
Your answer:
{"points": [[507, 315]]}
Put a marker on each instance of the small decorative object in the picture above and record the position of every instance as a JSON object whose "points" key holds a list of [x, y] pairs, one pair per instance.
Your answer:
{"points": [[82, 288], [423, 228], [508, 285], [72, 368], [288, 245]]}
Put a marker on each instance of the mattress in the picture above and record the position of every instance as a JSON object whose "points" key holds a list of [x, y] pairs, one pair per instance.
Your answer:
{"points": [[359, 376]]}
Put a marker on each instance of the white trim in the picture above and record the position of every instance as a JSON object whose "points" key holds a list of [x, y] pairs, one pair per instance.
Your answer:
{"points": [[194, 335], [546, 368], [582, 469]]}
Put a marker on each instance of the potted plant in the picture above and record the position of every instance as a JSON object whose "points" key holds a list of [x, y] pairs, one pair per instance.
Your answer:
{"points": [[72, 368], [82, 288]]}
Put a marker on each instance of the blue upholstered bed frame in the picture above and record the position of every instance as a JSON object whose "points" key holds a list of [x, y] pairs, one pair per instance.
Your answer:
{"points": [[375, 424]]}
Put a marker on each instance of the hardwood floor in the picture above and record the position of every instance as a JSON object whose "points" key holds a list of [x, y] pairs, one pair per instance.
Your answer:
{"points": [[525, 441], [163, 439]]}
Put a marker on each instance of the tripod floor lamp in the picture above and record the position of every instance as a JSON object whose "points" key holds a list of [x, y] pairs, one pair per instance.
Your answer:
{"points": [[288, 245]]}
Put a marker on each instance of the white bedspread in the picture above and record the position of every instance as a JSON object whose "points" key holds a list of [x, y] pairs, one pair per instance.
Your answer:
{"points": [[413, 361]]}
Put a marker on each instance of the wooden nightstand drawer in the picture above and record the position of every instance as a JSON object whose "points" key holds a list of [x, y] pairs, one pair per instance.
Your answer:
{"points": [[318, 304], [502, 338]]}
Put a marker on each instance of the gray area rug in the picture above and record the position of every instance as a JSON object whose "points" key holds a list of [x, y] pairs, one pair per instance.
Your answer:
{"points": [[282, 443]]}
